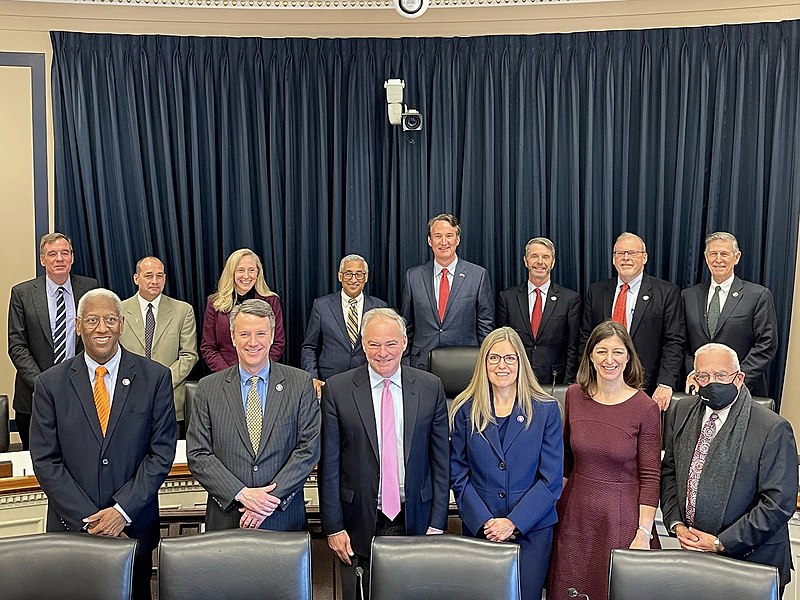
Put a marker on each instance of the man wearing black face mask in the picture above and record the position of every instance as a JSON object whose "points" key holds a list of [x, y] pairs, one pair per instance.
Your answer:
{"points": [[729, 473]]}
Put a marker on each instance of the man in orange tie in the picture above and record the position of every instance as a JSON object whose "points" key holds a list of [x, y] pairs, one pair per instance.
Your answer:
{"points": [[103, 436], [648, 307], [448, 301]]}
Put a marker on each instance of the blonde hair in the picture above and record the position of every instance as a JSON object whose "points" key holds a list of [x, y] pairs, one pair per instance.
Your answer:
{"points": [[479, 388], [223, 298]]}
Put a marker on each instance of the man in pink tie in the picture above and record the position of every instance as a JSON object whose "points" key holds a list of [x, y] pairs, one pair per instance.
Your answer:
{"points": [[384, 468], [448, 301]]}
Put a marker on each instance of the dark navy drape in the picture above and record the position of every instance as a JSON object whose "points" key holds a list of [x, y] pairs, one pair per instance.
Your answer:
{"points": [[192, 147]]}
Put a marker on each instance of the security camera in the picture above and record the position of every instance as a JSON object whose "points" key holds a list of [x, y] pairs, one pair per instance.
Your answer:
{"points": [[412, 120], [394, 90]]}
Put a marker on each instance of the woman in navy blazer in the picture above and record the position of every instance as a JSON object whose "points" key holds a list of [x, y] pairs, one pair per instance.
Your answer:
{"points": [[507, 456]]}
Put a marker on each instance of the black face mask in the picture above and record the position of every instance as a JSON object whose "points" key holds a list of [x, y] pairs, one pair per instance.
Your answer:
{"points": [[717, 396]]}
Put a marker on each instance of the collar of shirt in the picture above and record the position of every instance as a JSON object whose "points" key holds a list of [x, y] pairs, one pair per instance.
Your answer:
{"points": [[722, 415], [544, 289], [724, 291], [263, 380], [346, 302], [112, 365], [376, 380], [633, 285], [451, 268], [143, 305], [52, 287]]}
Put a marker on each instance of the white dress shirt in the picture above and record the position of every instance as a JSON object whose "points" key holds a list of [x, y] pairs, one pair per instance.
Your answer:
{"points": [[437, 275], [143, 306], [544, 289], [725, 289]]}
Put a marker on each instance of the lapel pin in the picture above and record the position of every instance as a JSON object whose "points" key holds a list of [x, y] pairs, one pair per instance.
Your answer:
{"points": [[735, 294], [645, 298], [553, 298], [279, 387], [126, 381], [461, 275], [520, 418]]}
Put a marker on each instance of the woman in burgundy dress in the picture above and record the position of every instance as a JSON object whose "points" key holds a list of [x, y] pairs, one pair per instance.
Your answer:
{"points": [[612, 455], [242, 279]]}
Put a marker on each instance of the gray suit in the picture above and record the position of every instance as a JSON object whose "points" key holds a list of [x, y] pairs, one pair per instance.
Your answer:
{"points": [[222, 459], [468, 317], [174, 340]]}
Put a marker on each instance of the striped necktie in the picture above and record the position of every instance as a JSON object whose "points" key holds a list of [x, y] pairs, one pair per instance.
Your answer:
{"points": [[60, 331], [352, 322]]}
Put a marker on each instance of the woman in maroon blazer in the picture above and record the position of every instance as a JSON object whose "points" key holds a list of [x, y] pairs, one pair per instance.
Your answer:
{"points": [[241, 279]]}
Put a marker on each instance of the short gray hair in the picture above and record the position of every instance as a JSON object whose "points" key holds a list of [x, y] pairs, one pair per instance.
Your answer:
{"points": [[256, 307], [720, 347], [357, 257], [98, 293], [544, 242], [49, 238], [722, 236], [628, 234], [386, 313]]}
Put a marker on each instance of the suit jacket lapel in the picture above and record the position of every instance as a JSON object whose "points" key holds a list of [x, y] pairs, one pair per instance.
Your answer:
{"points": [[643, 302], [607, 299], [362, 397], [521, 302], [273, 405], [702, 310], [427, 281], [165, 316], [492, 434], [459, 277], [79, 377], [549, 305], [516, 423], [133, 320], [40, 306], [410, 409], [335, 307], [233, 398], [734, 295], [369, 304], [125, 378]]}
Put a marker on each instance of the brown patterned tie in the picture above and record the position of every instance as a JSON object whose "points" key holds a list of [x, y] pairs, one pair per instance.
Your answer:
{"points": [[253, 414], [698, 462]]}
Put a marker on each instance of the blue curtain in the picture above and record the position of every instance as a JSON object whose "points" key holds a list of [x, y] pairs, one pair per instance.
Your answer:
{"points": [[189, 148]]}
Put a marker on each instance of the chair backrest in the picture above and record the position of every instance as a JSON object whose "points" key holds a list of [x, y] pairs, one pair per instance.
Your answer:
{"points": [[191, 390], [443, 567], [454, 366], [67, 566], [5, 431], [670, 574], [765, 402], [236, 563]]}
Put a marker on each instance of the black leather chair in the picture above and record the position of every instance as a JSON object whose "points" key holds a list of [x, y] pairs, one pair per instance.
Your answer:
{"points": [[765, 402], [443, 567], [558, 392], [237, 563], [66, 566], [191, 390], [5, 426], [454, 366], [670, 574]]}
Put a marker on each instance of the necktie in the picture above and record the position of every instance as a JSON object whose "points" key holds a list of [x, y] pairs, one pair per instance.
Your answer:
{"points": [[100, 394], [713, 312], [698, 461], [149, 330], [60, 332], [253, 414], [390, 485], [444, 294], [620, 314], [536, 314], [352, 322]]}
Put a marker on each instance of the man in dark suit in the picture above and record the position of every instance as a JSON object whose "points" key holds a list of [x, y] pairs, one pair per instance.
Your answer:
{"points": [[737, 313], [545, 315], [333, 335], [651, 310], [103, 436], [41, 322], [448, 301], [161, 328], [385, 459], [729, 473], [253, 438]]}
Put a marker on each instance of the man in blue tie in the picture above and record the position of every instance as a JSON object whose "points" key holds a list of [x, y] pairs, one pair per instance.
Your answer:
{"points": [[41, 322]]}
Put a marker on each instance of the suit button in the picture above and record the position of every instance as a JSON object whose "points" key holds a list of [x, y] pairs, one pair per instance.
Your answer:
{"points": [[255, 467], [105, 461], [502, 466], [502, 494]]}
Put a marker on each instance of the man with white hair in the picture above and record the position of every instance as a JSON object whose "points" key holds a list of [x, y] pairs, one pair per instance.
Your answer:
{"points": [[729, 473]]}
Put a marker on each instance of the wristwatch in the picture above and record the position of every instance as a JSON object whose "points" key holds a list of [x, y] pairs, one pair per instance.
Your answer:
{"points": [[718, 547]]}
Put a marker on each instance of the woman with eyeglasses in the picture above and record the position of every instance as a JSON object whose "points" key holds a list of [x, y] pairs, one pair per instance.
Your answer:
{"points": [[506, 456], [242, 279], [612, 447]]}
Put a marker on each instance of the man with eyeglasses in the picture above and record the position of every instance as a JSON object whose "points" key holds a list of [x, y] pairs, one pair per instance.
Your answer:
{"points": [[650, 309], [41, 322], [546, 316], [448, 301], [103, 436], [729, 473], [333, 335], [731, 311]]}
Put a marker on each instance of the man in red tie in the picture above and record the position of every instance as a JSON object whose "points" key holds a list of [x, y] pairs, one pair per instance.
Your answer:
{"points": [[546, 316], [648, 307], [448, 301], [384, 468]]}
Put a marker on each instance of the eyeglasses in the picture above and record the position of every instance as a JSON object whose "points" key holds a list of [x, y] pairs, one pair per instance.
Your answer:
{"points": [[359, 275], [631, 253], [93, 321], [704, 378], [509, 359]]}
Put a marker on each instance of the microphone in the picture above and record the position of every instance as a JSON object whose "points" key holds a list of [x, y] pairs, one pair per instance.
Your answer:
{"points": [[573, 593], [360, 580]]}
